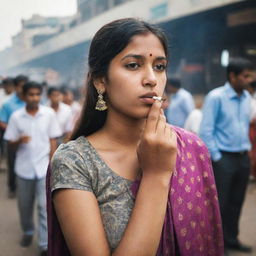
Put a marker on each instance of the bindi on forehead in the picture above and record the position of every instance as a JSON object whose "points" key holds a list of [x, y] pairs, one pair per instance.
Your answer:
{"points": [[150, 55]]}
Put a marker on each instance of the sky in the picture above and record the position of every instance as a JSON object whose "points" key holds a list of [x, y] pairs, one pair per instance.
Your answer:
{"points": [[13, 11]]}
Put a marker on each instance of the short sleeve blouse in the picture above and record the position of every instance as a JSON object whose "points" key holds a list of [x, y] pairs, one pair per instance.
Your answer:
{"points": [[77, 165]]}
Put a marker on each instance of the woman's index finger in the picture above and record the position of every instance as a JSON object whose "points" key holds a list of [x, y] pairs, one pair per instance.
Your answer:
{"points": [[153, 116]]}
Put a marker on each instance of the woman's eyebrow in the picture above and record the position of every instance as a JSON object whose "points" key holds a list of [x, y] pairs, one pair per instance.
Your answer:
{"points": [[139, 57], [136, 56], [161, 58]]}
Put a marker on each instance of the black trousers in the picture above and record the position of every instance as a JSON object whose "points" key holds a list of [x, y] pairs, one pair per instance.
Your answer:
{"points": [[231, 175], [11, 179]]}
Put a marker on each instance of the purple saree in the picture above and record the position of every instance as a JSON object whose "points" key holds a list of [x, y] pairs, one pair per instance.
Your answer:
{"points": [[192, 214], [192, 225]]}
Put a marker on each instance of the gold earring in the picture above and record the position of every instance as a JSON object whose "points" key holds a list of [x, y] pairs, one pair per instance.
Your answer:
{"points": [[101, 103]]}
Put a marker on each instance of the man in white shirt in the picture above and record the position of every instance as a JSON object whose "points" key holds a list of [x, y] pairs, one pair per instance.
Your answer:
{"points": [[7, 89], [194, 119], [32, 130], [63, 112], [69, 99]]}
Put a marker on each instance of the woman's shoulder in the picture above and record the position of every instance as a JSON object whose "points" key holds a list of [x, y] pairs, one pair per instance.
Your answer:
{"points": [[72, 150], [69, 168]]}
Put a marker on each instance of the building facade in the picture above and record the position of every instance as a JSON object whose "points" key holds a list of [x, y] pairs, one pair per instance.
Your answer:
{"points": [[202, 35]]}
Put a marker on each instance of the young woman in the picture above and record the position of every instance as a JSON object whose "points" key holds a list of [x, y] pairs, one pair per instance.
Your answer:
{"points": [[128, 183]]}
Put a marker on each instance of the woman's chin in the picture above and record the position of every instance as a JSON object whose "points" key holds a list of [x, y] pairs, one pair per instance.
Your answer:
{"points": [[142, 114]]}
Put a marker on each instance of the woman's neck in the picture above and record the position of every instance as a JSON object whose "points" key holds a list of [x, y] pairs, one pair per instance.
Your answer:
{"points": [[121, 130]]}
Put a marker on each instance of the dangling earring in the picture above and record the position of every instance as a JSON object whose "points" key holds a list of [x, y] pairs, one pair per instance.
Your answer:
{"points": [[101, 103]]}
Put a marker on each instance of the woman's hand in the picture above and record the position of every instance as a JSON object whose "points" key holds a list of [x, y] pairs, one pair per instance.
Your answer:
{"points": [[157, 148], [156, 151]]}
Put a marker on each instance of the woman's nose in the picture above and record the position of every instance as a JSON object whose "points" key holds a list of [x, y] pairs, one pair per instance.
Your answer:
{"points": [[149, 78]]}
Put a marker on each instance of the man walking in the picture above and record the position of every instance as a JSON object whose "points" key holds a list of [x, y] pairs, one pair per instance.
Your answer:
{"points": [[14, 103], [32, 131], [63, 113], [225, 129], [181, 103]]}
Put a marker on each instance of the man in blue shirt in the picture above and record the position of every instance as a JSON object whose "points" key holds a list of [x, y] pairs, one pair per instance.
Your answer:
{"points": [[6, 91], [225, 129], [14, 103], [181, 103]]}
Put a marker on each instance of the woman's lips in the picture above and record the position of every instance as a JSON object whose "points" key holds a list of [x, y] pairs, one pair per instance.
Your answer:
{"points": [[151, 99], [147, 100]]}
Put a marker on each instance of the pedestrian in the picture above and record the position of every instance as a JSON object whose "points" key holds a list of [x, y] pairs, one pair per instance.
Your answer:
{"points": [[32, 131], [14, 103], [181, 103], [8, 89], [127, 182], [194, 119], [252, 153], [69, 99], [62, 110], [225, 130]]}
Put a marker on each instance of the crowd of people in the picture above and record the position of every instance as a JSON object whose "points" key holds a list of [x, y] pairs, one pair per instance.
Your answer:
{"points": [[133, 172], [32, 126], [226, 123]]}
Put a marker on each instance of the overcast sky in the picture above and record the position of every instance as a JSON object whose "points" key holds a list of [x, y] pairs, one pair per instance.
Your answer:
{"points": [[12, 11]]}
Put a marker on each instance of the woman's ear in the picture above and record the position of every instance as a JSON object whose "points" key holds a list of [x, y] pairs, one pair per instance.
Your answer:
{"points": [[99, 84]]}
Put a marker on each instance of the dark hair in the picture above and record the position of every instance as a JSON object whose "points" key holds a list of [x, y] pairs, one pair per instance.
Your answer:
{"points": [[20, 78], [44, 84], [65, 90], [109, 41], [52, 89], [31, 85], [238, 65], [253, 84], [7, 81], [174, 82]]}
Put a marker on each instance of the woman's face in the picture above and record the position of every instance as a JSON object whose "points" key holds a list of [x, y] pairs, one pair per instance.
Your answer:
{"points": [[135, 75]]}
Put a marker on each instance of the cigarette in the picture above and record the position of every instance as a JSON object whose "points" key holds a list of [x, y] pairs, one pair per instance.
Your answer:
{"points": [[159, 98]]}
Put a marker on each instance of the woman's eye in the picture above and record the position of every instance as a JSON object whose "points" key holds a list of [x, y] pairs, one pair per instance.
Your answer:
{"points": [[160, 67], [132, 65]]}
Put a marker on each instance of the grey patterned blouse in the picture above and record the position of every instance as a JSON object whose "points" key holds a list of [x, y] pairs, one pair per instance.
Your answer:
{"points": [[77, 165]]}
